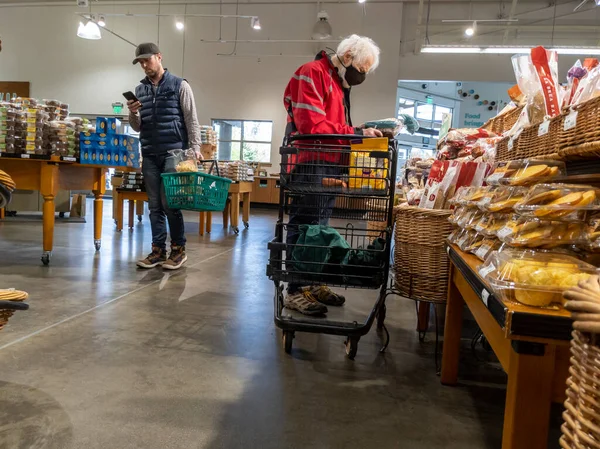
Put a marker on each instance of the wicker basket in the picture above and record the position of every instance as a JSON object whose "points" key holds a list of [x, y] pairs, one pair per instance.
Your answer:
{"points": [[582, 407], [504, 153], [421, 264], [510, 118], [531, 145], [584, 137]]}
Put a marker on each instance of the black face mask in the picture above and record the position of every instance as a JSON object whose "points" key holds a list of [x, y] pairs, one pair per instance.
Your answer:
{"points": [[353, 76]]}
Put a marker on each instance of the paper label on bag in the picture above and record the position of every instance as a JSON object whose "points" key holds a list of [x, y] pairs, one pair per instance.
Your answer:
{"points": [[484, 271], [482, 251], [504, 232], [544, 128], [570, 121]]}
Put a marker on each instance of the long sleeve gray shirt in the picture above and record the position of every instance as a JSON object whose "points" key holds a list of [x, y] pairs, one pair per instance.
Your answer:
{"points": [[188, 107]]}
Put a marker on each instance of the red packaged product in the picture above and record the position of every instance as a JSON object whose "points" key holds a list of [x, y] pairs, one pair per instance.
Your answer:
{"points": [[545, 63]]}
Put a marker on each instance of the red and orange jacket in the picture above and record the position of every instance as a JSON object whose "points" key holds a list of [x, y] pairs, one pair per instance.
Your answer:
{"points": [[317, 102]]}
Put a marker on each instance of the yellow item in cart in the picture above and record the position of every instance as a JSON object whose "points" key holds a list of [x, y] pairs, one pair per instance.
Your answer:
{"points": [[366, 172]]}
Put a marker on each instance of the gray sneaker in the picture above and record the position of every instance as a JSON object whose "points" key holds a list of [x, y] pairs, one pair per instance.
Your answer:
{"points": [[176, 259], [157, 257], [304, 302]]}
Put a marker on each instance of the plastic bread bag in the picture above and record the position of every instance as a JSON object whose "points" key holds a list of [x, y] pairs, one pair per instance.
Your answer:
{"points": [[545, 63], [589, 87], [576, 75], [391, 127], [527, 81], [184, 160]]}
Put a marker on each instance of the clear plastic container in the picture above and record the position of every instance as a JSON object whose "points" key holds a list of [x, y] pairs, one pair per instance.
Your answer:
{"points": [[534, 233], [474, 244], [490, 224], [475, 218], [466, 217], [502, 199], [525, 172], [475, 196], [459, 195], [466, 239], [533, 278], [564, 202], [487, 246], [457, 213]]}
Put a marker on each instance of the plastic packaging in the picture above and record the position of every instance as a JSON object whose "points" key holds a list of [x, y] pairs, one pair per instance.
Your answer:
{"points": [[490, 224], [466, 239], [486, 247], [466, 217], [185, 160], [502, 199], [534, 233], [564, 202], [458, 212], [473, 220], [533, 278], [474, 196], [474, 244], [525, 172]]}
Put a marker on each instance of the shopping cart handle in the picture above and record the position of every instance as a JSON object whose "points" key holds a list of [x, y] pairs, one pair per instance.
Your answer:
{"points": [[13, 305], [326, 137]]}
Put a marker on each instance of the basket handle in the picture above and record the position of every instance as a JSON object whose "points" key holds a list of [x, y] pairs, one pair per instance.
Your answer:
{"points": [[212, 165]]}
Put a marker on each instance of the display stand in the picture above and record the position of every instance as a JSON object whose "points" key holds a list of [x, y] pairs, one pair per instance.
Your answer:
{"points": [[532, 345]]}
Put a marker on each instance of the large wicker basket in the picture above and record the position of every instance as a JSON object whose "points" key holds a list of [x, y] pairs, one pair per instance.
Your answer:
{"points": [[506, 152], [421, 264], [581, 428], [532, 145], [583, 140]]}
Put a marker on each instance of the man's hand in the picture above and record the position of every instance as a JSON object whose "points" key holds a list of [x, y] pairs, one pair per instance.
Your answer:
{"points": [[134, 106], [372, 132]]}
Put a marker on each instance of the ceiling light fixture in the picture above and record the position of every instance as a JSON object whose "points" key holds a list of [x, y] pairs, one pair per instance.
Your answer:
{"points": [[469, 32], [362, 1], [322, 29], [255, 23], [179, 24], [101, 20], [499, 50], [89, 30]]}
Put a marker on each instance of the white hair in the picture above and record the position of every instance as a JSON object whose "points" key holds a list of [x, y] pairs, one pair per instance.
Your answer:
{"points": [[361, 49]]}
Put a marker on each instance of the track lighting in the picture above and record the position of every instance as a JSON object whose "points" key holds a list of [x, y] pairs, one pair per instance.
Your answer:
{"points": [[101, 20], [89, 30], [179, 24], [255, 23], [469, 32]]}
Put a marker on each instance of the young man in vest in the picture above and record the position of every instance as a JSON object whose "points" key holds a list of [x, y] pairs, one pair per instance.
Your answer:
{"points": [[317, 100], [165, 117]]}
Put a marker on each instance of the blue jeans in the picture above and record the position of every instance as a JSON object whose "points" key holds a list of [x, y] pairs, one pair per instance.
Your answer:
{"points": [[309, 209], [152, 167]]}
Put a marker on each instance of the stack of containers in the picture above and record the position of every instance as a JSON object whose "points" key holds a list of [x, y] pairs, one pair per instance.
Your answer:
{"points": [[544, 224], [107, 147], [53, 108], [208, 135], [7, 130], [131, 181]]}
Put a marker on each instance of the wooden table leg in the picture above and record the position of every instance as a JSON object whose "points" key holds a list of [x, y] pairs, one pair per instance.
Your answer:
{"points": [[201, 225], [246, 209], [139, 209], [48, 190], [452, 333], [120, 206], [98, 191], [226, 213], [2, 212], [131, 213], [209, 222], [235, 210], [528, 400]]}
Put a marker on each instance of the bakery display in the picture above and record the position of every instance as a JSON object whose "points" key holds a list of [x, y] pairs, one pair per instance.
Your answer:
{"points": [[502, 199], [535, 233]]}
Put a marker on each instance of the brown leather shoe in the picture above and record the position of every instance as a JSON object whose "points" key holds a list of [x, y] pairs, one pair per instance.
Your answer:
{"points": [[157, 257], [176, 259]]}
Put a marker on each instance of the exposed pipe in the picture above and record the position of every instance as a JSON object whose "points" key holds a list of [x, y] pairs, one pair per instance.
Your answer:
{"points": [[511, 16]]}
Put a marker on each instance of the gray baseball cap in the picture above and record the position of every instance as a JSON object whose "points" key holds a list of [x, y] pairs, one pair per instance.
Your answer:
{"points": [[145, 50]]}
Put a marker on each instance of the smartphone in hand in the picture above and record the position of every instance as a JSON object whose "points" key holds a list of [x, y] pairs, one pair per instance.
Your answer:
{"points": [[130, 96]]}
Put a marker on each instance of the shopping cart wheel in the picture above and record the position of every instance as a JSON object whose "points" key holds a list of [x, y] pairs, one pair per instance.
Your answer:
{"points": [[246, 224], [235, 229], [381, 317], [46, 259], [351, 347], [97, 244], [288, 339]]}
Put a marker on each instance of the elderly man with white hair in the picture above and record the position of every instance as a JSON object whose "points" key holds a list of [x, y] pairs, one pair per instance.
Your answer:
{"points": [[317, 100]]}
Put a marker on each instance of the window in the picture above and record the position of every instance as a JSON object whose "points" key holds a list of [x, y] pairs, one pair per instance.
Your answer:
{"points": [[247, 140], [429, 115]]}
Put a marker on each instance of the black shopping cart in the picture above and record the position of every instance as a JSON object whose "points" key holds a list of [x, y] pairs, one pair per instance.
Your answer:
{"points": [[349, 180]]}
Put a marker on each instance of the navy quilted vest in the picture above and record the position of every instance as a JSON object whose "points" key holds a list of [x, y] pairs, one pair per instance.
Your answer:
{"points": [[163, 127]]}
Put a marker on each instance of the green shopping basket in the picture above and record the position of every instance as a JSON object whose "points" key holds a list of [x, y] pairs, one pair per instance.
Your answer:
{"points": [[196, 191]]}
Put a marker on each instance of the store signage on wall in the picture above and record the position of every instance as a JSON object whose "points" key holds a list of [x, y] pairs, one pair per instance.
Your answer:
{"points": [[473, 120]]}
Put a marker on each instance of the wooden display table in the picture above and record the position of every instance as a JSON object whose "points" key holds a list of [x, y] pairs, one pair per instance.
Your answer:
{"points": [[232, 208], [48, 177], [132, 197], [531, 344]]}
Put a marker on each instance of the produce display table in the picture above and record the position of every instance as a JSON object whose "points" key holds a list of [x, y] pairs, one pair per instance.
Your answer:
{"points": [[531, 344], [133, 197], [232, 208], [48, 177]]}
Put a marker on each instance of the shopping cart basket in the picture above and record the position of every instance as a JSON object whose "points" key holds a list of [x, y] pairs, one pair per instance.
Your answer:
{"points": [[350, 179], [196, 191]]}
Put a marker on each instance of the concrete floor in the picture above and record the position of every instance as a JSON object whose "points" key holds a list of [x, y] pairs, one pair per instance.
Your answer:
{"points": [[110, 356]]}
